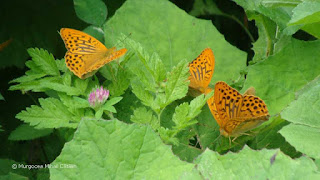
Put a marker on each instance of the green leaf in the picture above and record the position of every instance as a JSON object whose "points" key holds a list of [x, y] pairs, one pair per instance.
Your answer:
{"points": [[119, 76], [143, 116], [306, 109], [305, 139], [304, 113], [306, 16], [99, 113], [268, 137], [74, 104], [203, 7], [109, 108], [51, 114], [58, 86], [263, 164], [102, 146], [280, 11], [184, 113], [144, 95], [26, 132], [149, 70], [307, 12], [174, 36], [113, 101], [7, 172], [126, 106], [95, 31], [81, 85], [186, 152], [91, 11], [1, 97], [177, 84], [267, 30], [278, 77], [44, 60]]}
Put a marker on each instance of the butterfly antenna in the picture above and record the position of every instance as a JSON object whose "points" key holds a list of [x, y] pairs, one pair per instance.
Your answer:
{"points": [[121, 41]]}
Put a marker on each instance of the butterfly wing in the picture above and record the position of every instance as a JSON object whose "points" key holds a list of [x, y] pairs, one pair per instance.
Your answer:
{"points": [[213, 109], [85, 53], [253, 108], [112, 54], [201, 70]]}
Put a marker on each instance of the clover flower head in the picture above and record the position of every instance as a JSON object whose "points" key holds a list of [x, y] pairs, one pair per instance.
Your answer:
{"points": [[98, 96]]}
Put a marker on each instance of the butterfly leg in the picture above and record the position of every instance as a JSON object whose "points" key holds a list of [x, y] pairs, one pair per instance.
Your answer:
{"points": [[233, 140], [247, 134]]}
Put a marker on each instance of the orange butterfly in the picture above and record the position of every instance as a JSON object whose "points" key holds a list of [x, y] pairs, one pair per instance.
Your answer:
{"points": [[201, 71], [236, 113], [85, 53]]}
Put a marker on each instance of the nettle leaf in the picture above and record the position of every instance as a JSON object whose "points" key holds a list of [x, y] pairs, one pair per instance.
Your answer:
{"points": [[37, 85], [174, 36], [51, 114], [42, 64], [177, 84], [138, 146], [149, 70], [91, 11], [263, 164], [144, 95], [27, 132], [278, 77], [60, 87], [44, 60], [119, 76], [143, 116], [185, 113], [81, 85], [74, 104], [304, 132]]}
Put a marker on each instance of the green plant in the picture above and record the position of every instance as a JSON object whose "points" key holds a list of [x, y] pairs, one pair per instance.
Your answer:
{"points": [[149, 127]]}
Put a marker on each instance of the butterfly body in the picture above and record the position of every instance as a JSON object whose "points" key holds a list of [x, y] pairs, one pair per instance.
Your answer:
{"points": [[201, 70], [85, 53], [236, 113]]}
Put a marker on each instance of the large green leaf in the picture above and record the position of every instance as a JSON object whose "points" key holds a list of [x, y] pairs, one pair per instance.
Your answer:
{"points": [[280, 11], [174, 35], [264, 46], [112, 149], [304, 113], [91, 11], [250, 164], [307, 17], [278, 77]]}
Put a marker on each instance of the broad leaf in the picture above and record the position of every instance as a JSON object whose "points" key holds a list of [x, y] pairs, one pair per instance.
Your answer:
{"points": [[99, 149]]}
